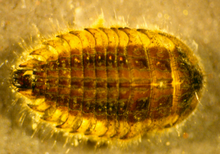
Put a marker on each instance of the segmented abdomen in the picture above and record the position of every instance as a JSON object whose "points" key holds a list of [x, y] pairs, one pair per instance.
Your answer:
{"points": [[113, 83]]}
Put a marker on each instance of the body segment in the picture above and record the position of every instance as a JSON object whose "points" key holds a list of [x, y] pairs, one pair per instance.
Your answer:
{"points": [[111, 82]]}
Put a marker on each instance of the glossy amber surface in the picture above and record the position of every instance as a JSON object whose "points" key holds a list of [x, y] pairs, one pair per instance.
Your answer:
{"points": [[111, 82]]}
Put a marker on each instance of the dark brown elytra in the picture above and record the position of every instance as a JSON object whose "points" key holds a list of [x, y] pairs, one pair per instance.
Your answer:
{"points": [[112, 83]]}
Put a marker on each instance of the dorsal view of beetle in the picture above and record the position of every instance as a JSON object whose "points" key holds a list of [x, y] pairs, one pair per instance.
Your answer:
{"points": [[111, 83]]}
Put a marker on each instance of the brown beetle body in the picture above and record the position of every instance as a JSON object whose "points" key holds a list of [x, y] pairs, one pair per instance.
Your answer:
{"points": [[111, 82]]}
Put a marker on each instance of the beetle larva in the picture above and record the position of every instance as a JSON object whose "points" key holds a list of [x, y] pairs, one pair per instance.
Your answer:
{"points": [[113, 83]]}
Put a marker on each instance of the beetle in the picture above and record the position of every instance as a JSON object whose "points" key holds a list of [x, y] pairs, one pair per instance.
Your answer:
{"points": [[111, 83]]}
